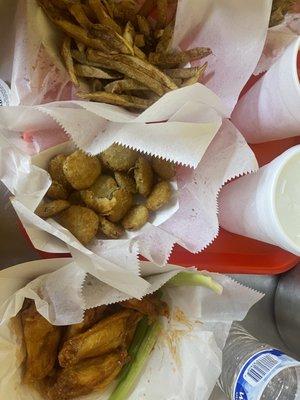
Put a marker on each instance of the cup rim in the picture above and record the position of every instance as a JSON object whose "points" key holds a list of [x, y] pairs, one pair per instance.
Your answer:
{"points": [[290, 243]]}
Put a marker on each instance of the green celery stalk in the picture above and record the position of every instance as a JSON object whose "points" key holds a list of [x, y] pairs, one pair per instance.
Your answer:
{"points": [[137, 340], [126, 384], [195, 279]]}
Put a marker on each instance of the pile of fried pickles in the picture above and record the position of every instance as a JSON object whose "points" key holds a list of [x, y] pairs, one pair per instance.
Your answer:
{"points": [[106, 194], [64, 362], [119, 53]]}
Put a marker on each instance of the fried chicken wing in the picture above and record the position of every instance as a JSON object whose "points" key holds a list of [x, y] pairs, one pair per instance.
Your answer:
{"points": [[86, 376], [91, 317], [106, 336], [151, 306], [41, 341]]}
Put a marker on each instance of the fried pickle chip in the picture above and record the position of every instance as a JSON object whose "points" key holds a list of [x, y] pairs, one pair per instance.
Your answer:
{"points": [[119, 158], [47, 210], [124, 202], [101, 205], [126, 182], [143, 175], [106, 336], [164, 169], [55, 169], [110, 229], [136, 218], [57, 191], [86, 376], [81, 222], [41, 341], [104, 186], [160, 195], [81, 170]]}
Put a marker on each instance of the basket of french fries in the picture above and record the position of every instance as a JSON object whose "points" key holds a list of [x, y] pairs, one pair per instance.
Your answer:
{"points": [[67, 335]]}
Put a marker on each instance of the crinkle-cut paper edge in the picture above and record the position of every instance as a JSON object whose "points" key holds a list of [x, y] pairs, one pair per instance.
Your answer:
{"points": [[217, 206], [145, 152], [243, 286]]}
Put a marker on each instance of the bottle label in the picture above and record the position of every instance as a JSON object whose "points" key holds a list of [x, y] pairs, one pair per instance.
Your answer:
{"points": [[258, 371], [4, 94]]}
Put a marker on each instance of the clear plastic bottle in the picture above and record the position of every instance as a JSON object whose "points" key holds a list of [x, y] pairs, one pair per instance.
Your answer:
{"points": [[256, 371]]}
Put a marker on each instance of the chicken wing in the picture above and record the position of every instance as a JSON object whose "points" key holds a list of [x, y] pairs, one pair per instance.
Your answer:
{"points": [[91, 317], [41, 341], [86, 376], [105, 336], [150, 305]]}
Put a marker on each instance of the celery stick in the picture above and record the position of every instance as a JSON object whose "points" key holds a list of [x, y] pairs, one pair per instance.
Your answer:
{"points": [[126, 385], [138, 338], [195, 279]]}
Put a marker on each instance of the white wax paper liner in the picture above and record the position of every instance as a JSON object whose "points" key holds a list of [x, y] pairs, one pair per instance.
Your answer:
{"points": [[278, 39], [187, 356], [182, 132], [234, 30]]}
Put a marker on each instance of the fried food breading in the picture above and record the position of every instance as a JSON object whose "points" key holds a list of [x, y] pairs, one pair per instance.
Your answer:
{"points": [[117, 100], [81, 222], [76, 199], [124, 202], [91, 317], [81, 170], [104, 186], [182, 57], [110, 229], [41, 341], [150, 305], [160, 195], [87, 376], [57, 191], [119, 158], [164, 169], [143, 175], [48, 210], [136, 218], [55, 169], [100, 205], [106, 336], [125, 182]]}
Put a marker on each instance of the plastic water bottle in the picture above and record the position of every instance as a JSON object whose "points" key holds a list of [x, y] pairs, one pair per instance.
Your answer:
{"points": [[256, 371]]}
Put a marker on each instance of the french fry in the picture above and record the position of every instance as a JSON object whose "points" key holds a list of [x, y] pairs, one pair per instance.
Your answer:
{"points": [[96, 85], [184, 73], [139, 53], [144, 25], [151, 70], [109, 8], [139, 40], [129, 34], [80, 34], [64, 4], [183, 57], [129, 70], [80, 46], [196, 77], [68, 60], [146, 8], [165, 40], [123, 86], [125, 10], [162, 11], [102, 16], [117, 100], [111, 38], [92, 72], [79, 14]]}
